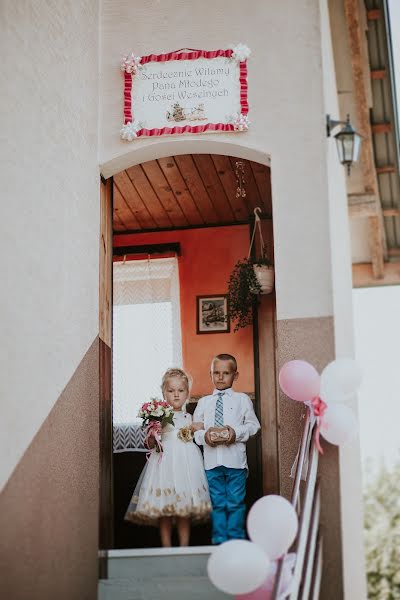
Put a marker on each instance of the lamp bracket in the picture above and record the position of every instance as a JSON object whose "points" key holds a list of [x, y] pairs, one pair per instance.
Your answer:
{"points": [[332, 123]]}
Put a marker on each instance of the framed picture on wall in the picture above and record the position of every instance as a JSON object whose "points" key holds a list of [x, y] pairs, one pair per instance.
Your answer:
{"points": [[213, 314]]}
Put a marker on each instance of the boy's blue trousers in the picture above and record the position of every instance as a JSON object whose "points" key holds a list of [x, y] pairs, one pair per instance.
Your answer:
{"points": [[227, 490]]}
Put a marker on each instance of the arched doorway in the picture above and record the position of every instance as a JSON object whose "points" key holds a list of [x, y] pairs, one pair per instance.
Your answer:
{"points": [[191, 202]]}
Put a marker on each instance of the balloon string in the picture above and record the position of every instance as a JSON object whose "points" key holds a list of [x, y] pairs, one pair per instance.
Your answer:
{"points": [[319, 408]]}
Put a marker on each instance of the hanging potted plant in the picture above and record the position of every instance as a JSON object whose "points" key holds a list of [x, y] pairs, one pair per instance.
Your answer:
{"points": [[250, 277]]}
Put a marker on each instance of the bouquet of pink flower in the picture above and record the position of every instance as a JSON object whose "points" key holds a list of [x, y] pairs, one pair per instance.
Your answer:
{"points": [[155, 414]]}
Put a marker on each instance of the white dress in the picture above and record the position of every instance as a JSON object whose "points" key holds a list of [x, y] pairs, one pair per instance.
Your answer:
{"points": [[172, 484]]}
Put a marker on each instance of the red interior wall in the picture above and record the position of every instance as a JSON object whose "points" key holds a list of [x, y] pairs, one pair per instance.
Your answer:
{"points": [[207, 258]]}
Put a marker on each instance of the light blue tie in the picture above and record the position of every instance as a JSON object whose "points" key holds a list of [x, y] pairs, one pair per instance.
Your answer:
{"points": [[219, 411]]}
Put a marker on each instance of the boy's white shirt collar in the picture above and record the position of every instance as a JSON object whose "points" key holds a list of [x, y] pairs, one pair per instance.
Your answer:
{"points": [[228, 391]]}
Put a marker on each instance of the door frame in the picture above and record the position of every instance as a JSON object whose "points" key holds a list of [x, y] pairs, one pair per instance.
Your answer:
{"points": [[106, 501], [266, 380]]}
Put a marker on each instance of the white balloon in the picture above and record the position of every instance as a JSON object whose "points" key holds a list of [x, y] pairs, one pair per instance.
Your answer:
{"points": [[339, 379], [339, 424], [238, 567], [272, 524]]}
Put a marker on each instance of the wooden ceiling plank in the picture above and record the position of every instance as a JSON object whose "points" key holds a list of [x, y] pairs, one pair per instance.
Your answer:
{"points": [[363, 276], [214, 187], [365, 209], [148, 196], [374, 14], [262, 178], [386, 169], [381, 127], [164, 193], [378, 74], [375, 243], [123, 212], [196, 187], [225, 172], [133, 200], [391, 212], [118, 224], [180, 190]]}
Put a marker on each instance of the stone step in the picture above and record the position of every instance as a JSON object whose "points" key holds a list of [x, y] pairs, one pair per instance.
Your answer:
{"points": [[159, 573], [160, 588], [145, 563]]}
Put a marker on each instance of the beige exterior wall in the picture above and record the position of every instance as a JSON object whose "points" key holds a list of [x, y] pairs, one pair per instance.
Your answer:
{"points": [[49, 506], [49, 303], [50, 209]]}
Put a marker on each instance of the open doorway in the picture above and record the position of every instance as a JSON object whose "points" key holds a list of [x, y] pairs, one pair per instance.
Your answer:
{"points": [[179, 226]]}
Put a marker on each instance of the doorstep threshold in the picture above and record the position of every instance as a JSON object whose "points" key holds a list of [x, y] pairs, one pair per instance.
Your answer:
{"points": [[174, 551]]}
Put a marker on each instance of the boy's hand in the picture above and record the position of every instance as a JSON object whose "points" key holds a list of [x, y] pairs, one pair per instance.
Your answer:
{"points": [[232, 435], [208, 440], [196, 426]]}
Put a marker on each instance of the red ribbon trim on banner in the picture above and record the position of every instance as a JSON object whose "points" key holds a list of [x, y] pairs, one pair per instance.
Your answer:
{"points": [[127, 97], [186, 129], [243, 88], [182, 55], [319, 408]]}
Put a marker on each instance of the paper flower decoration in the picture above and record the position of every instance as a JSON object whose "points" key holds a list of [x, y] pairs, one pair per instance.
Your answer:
{"points": [[240, 52], [129, 131], [131, 63], [240, 122]]}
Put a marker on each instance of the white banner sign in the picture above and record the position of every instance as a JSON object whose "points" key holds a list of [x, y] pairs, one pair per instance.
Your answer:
{"points": [[185, 92]]}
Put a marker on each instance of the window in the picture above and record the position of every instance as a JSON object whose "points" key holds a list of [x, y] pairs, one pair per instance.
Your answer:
{"points": [[146, 339]]}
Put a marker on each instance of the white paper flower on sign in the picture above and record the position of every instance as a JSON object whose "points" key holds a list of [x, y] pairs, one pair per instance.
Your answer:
{"points": [[129, 131], [240, 122], [131, 63], [241, 52]]}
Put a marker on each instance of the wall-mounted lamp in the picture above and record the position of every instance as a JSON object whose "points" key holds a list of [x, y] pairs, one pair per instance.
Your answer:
{"points": [[348, 141]]}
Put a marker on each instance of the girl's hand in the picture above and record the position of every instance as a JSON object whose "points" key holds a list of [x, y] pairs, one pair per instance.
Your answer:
{"points": [[196, 426], [151, 442]]}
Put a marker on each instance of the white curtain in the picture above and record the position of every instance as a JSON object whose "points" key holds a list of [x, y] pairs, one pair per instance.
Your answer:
{"points": [[146, 340]]}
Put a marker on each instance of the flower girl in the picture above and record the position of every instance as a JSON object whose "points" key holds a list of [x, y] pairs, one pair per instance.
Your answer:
{"points": [[173, 487]]}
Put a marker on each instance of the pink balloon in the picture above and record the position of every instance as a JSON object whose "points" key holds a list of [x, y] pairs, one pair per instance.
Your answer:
{"points": [[264, 592], [299, 380]]}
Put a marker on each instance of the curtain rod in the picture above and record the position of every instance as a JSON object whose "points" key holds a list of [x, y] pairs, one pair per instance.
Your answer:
{"points": [[148, 249]]}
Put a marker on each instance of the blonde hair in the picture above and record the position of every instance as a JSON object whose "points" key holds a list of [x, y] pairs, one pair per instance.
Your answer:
{"points": [[227, 357], [174, 372]]}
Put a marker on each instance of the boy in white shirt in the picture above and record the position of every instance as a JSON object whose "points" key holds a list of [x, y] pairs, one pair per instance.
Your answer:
{"points": [[225, 461]]}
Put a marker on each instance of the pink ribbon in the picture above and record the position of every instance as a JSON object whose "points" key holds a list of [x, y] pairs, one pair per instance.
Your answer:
{"points": [[153, 429], [319, 408]]}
